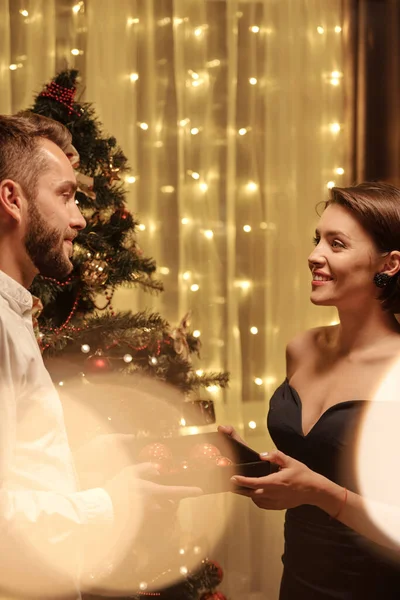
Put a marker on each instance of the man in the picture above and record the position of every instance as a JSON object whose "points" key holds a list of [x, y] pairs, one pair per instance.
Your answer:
{"points": [[43, 515]]}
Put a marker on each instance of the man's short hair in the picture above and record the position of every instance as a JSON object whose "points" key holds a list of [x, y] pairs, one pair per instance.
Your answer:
{"points": [[21, 158]]}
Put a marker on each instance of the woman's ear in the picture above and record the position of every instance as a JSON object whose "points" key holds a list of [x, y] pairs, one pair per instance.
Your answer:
{"points": [[392, 263], [11, 199]]}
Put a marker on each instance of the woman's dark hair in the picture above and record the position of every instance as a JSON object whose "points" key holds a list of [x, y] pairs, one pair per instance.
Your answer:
{"points": [[376, 206]]}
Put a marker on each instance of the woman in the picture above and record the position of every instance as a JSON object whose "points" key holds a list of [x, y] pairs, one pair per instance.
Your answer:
{"points": [[332, 548]]}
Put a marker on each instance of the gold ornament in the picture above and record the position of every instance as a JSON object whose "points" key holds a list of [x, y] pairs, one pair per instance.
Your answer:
{"points": [[85, 183], [95, 272], [179, 335]]}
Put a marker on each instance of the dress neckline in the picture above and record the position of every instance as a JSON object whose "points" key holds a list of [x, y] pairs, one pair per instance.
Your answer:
{"points": [[322, 416]]}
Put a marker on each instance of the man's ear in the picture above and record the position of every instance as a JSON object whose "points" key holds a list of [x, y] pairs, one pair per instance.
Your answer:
{"points": [[392, 263], [11, 199]]}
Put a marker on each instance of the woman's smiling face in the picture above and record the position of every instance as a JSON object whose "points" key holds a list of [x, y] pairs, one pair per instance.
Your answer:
{"points": [[344, 261]]}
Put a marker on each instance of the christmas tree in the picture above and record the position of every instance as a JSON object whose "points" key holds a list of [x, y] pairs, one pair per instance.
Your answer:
{"points": [[77, 320]]}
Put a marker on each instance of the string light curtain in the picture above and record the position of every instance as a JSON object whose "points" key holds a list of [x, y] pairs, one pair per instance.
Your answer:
{"points": [[234, 118]]}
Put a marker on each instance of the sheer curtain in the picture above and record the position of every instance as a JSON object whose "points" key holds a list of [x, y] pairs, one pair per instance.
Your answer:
{"points": [[235, 120]]}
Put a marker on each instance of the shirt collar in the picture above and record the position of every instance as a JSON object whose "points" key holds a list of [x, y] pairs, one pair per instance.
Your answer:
{"points": [[18, 297]]}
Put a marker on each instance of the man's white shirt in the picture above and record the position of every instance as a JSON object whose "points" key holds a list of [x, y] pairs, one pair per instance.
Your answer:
{"points": [[43, 514]]}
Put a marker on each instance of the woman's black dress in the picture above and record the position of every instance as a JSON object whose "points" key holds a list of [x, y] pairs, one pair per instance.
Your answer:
{"points": [[323, 559]]}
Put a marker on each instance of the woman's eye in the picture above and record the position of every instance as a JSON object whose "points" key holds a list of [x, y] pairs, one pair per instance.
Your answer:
{"points": [[337, 244], [315, 241]]}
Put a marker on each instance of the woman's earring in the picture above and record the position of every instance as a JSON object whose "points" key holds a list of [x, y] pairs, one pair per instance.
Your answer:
{"points": [[381, 280]]}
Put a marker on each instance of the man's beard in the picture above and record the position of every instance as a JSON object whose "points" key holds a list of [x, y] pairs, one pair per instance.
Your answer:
{"points": [[44, 246]]}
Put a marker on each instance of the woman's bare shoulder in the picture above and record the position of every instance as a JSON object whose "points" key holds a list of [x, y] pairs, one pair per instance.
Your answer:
{"points": [[305, 344]]}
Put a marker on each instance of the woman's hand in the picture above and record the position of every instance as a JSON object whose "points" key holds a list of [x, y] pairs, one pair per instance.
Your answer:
{"points": [[294, 484], [229, 430]]}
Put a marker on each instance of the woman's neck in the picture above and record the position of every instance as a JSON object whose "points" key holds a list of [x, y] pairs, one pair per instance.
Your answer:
{"points": [[363, 328]]}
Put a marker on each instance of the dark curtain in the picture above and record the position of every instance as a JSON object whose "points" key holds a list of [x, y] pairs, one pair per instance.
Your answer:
{"points": [[372, 38]]}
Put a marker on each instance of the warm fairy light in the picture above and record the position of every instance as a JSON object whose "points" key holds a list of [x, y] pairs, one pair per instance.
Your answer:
{"points": [[183, 422], [242, 131], [198, 31], [143, 585], [247, 228], [203, 186], [252, 186], [193, 74], [254, 330], [128, 358], [85, 348], [77, 7], [143, 126], [334, 81], [252, 424], [13, 67], [270, 380], [244, 285], [195, 175], [134, 76], [255, 29], [338, 29], [194, 130], [199, 372], [196, 550], [76, 51], [258, 381], [320, 30], [196, 333], [24, 12], [197, 82], [253, 80], [132, 20], [184, 122], [141, 227], [181, 551], [60, 383], [153, 360], [194, 287], [130, 179], [186, 275], [185, 221], [213, 63], [178, 21], [336, 74], [330, 185], [167, 189], [212, 388], [209, 234], [164, 21], [164, 270], [339, 171], [334, 127]]}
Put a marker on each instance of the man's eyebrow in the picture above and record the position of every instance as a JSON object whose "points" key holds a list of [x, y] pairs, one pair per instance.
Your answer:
{"points": [[333, 233], [67, 186]]}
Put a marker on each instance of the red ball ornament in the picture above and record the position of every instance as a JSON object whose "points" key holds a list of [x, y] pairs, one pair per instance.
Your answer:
{"points": [[215, 568], [223, 461], [98, 364], [204, 453], [156, 453], [213, 596]]}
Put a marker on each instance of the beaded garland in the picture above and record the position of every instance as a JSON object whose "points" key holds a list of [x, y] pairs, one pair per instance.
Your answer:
{"points": [[61, 94]]}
